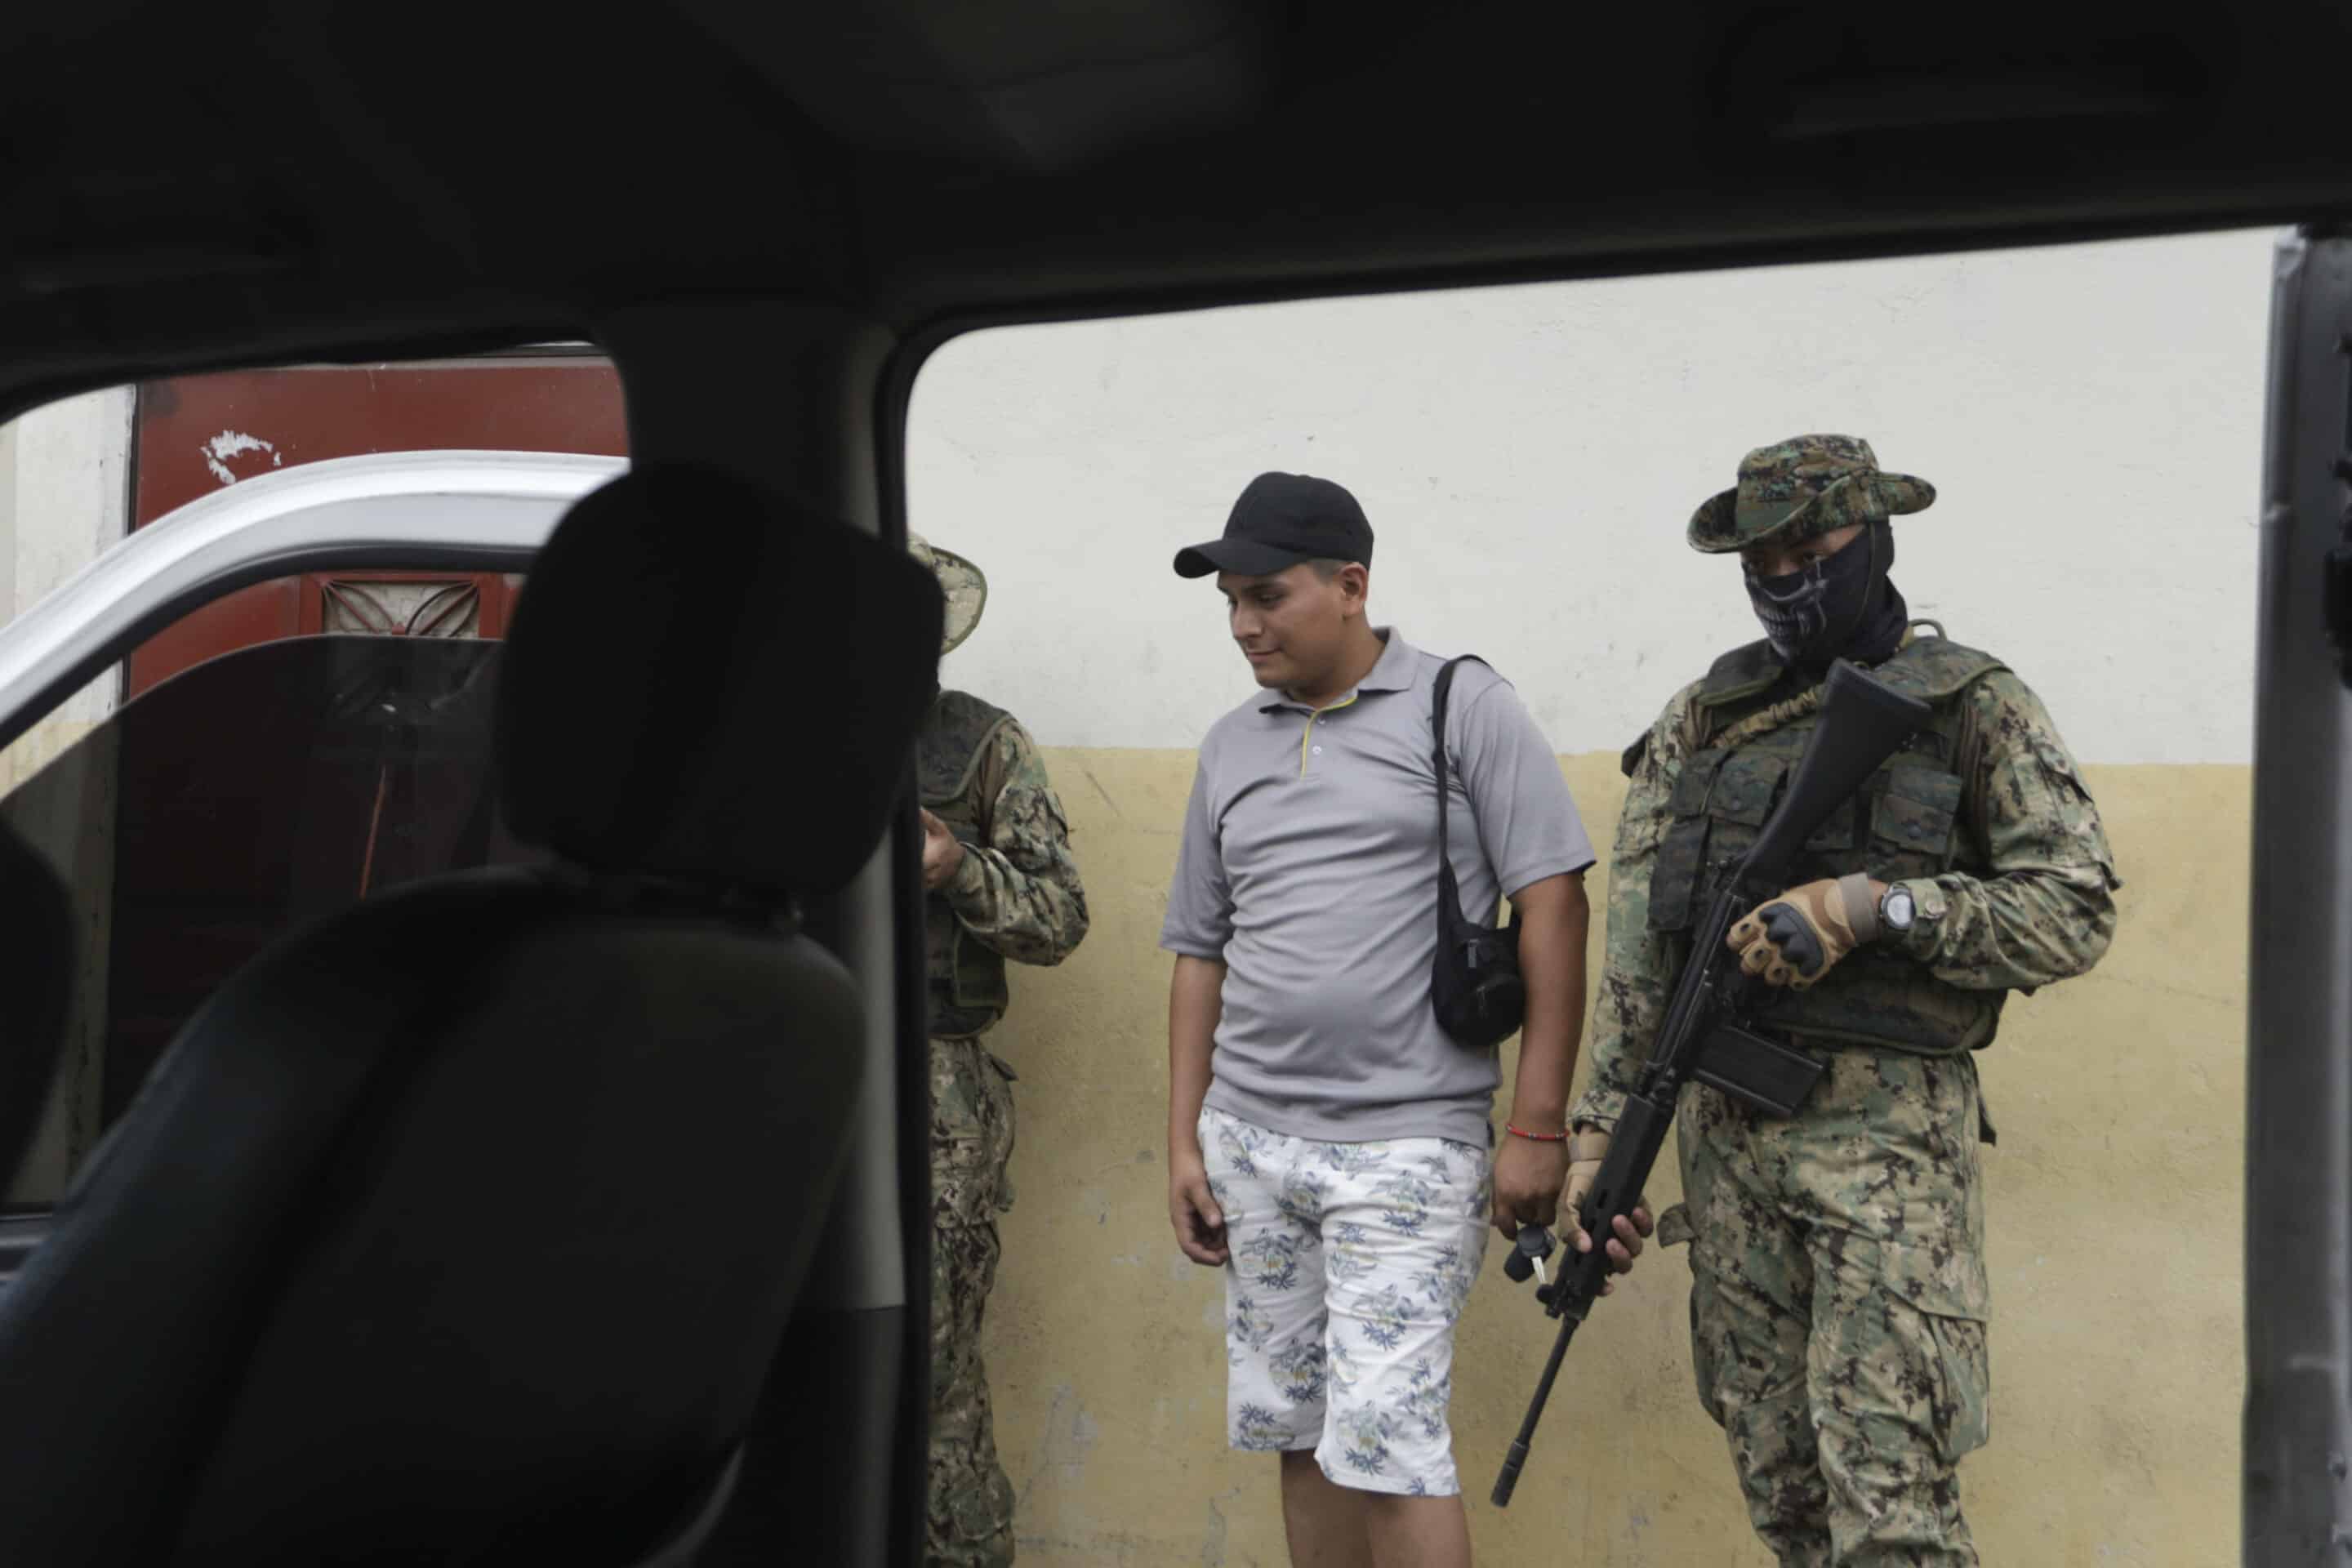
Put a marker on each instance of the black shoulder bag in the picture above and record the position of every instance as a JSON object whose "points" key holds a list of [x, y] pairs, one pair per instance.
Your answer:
{"points": [[1475, 983]]}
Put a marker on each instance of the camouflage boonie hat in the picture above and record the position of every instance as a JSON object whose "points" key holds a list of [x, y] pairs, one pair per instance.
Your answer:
{"points": [[960, 581], [1804, 486]]}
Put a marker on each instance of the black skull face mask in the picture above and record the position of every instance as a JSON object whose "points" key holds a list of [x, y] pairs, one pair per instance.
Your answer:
{"points": [[1841, 604]]}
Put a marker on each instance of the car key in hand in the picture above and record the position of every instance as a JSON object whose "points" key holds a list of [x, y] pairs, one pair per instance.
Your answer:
{"points": [[1535, 1245]]}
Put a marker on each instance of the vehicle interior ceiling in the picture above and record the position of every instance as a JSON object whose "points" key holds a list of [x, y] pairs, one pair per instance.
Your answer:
{"points": [[768, 214], [707, 186]]}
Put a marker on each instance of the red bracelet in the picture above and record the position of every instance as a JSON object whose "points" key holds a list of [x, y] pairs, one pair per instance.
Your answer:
{"points": [[1561, 1137]]}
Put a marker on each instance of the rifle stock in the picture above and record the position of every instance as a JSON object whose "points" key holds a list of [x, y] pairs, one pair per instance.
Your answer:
{"points": [[1863, 721]]}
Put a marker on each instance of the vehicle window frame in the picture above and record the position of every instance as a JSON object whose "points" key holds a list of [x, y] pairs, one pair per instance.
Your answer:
{"points": [[441, 511]]}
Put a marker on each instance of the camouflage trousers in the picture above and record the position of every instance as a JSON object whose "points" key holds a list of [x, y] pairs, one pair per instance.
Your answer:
{"points": [[1839, 1304], [969, 1520]]}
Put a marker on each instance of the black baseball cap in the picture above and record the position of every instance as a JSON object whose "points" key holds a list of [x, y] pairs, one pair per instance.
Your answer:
{"points": [[1280, 520]]}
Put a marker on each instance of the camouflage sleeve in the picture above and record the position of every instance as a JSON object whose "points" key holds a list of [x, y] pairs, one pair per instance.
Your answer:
{"points": [[1637, 970], [2047, 913], [1021, 894]]}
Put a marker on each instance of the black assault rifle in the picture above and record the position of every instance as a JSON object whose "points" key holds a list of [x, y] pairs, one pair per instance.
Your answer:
{"points": [[1863, 720]]}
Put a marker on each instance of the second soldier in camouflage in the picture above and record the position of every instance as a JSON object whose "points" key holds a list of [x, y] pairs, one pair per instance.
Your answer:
{"points": [[1839, 1301], [1001, 885]]}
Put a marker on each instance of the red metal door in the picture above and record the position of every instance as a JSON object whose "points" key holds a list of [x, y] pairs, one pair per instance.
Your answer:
{"points": [[197, 434]]}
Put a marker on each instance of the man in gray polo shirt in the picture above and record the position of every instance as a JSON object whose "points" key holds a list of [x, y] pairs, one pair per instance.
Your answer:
{"points": [[1329, 1144]]}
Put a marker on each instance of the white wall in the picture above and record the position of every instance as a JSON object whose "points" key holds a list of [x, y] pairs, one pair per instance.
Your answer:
{"points": [[1529, 457], [65, 496], [68, 482]]}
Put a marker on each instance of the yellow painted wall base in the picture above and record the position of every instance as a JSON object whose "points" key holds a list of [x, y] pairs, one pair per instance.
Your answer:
{"points": [[2116, 1201]]}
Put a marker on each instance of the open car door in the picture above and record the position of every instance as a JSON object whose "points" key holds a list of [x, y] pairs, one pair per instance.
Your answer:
{"points": [[2298, 1422]]}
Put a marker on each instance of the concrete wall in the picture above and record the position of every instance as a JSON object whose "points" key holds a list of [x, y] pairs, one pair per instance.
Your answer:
{"points": [[1529, 457], [64, 492], [65, 496]]}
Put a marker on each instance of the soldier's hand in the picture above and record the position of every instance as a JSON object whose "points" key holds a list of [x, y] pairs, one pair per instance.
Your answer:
{"points": [[1586, 1152], [1799, 937], [1527, 1173], [942, 856], [1193, 1209]]}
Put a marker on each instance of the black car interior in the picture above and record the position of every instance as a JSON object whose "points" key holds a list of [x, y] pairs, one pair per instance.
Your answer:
{"points": [[398, 1163], [768, 214]]}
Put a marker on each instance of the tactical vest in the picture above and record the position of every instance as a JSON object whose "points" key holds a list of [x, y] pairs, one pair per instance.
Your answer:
{"points": [[968, 992], [1910, 820]]}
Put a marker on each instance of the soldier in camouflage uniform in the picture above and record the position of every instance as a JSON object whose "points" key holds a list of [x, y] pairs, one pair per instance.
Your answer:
{"points": [[1839, 1301], [1001, 885]]}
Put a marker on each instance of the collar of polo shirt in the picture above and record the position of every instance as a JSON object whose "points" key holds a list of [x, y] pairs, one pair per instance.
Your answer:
{"points": [[1391, 672]]}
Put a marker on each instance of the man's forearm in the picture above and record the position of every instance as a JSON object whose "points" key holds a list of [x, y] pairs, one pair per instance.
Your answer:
{"points": [[1036, 914], [1195, 1002], [2032, 927], [1553, 917]]}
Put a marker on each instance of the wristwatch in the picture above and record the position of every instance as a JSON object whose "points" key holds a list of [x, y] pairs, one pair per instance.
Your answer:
{"points": [[1895, 908]]}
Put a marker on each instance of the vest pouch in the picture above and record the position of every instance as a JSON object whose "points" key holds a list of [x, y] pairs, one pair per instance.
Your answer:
{"points": [[1882, 999], [1746, 787], [967, 989], [1675, 875], [1911, 827], [1691, 789], [1720, 804], [979, 973], [967, 986]]}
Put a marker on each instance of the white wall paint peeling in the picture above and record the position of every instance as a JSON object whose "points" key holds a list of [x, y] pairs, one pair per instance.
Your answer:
{"points": [[229, 443], [1529, 457]]}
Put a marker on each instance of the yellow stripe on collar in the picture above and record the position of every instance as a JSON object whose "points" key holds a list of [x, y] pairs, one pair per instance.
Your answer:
{"points": [[1308, 733]]}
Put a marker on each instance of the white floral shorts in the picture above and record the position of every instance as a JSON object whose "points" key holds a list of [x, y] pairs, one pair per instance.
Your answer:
{"points": [[1351, 1263]]}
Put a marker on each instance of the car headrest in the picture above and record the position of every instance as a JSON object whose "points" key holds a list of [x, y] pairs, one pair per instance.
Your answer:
{"points": [[704, 681]]}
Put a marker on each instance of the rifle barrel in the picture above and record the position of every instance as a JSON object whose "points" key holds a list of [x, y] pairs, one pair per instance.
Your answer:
{"points": [[1507, 1482]]}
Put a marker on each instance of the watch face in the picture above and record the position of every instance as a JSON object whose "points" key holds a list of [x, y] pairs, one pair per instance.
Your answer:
{"points": [[1898, 909]]}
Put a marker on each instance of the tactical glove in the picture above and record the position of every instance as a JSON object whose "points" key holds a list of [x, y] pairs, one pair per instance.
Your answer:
{"points": [[1799, 937]]}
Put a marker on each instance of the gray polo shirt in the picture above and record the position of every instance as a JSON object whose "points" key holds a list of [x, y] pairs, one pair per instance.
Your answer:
{"points": [[1310, 867]]}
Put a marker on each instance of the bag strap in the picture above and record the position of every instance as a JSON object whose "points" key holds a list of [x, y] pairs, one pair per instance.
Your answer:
{"points": [[1448, 891]]}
